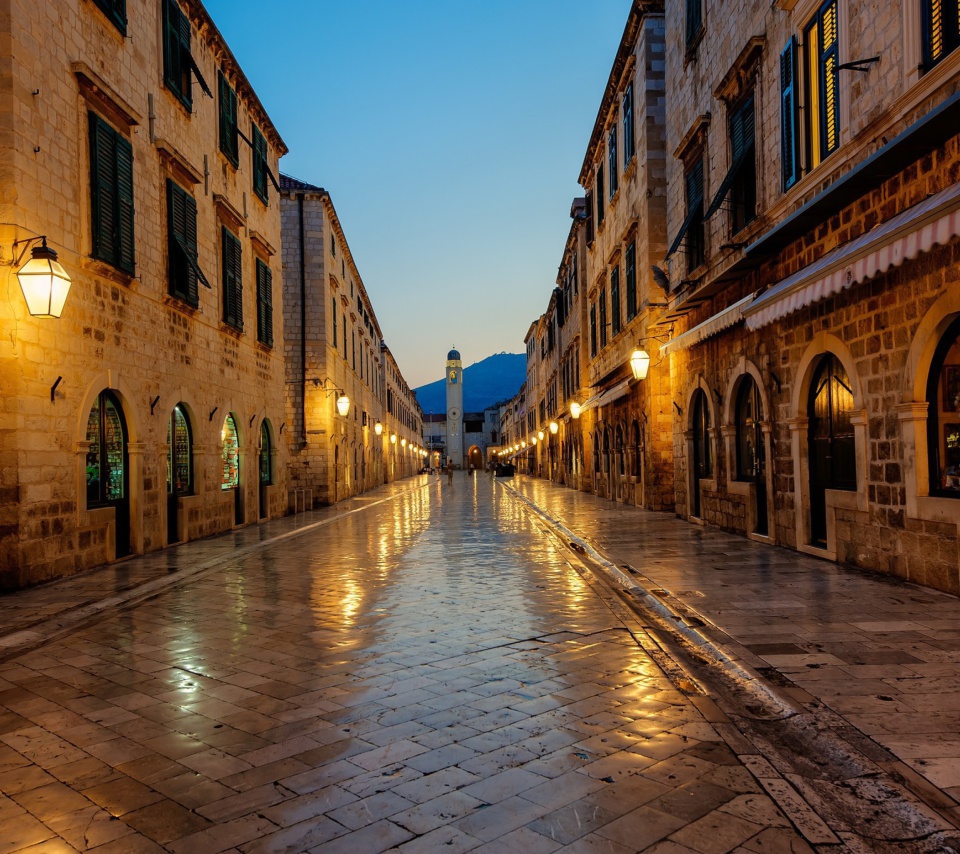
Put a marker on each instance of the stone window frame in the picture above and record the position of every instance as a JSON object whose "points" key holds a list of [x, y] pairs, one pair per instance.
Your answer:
{"points": [[913, 415]]}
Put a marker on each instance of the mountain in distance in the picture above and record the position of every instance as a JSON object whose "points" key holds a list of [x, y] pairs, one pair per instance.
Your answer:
{"points": [[485, 383]]}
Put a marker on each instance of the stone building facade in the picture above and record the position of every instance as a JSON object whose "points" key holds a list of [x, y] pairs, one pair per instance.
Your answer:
{"points": [[800, 279], [815, 349], [623, 175], [334, 348], [150, 412]]}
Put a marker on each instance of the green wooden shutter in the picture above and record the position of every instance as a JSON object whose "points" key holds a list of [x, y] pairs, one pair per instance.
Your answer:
{"points": [[229, 138], [789, 126], [190, 239], [829, 90], [116, 11], [176, 52], [232, 280], [631, 272], [103, 189], [126, 250], [259, 165], [177, 264], [264, 303]]}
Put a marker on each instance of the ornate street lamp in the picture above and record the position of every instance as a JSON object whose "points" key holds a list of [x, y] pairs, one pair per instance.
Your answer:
{"points": [[45, 284], [575, 410]]}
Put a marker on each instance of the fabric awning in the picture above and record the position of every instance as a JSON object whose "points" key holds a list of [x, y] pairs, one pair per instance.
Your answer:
{"points": [[720, 321], [609, 396], [935, 220]]}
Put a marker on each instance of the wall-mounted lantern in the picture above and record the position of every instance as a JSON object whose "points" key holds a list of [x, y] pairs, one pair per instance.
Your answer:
{"points": [[640, 363], [575, 410], [45, 284]]}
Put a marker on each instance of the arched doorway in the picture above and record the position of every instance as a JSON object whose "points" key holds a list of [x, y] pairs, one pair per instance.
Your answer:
{"points": [[266, 469], [230, 457], [336, 473], [638, 464], [751, 453], [475, 458], [107, 466], [620, 451], [179, 469], [831, 442], [702, 462]]}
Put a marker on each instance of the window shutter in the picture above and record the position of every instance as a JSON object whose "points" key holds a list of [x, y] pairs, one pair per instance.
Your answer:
{"points": [[126, 254], [829, 90], [789, 126], [190, 239], [103, 189], [694, 20], [260, 165], [229, 139], [631, 272], [185, 62], [176, 228], [232, 280], [264, 303], [589, 217], [176, 52]]}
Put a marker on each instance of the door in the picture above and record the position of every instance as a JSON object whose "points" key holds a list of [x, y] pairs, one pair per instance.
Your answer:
{"points": [[266, 469], [106, 468], [830, 441], [179, 470], [230, 455], [751, 453], [702, 453]]}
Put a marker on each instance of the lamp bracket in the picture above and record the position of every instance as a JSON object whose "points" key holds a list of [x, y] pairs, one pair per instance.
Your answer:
{"points": [[153, 403], [53, 389], [213, 412], [26, 245], [862, 65]]}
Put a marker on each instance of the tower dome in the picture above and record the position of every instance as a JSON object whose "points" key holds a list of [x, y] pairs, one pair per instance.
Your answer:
{"points": [[453, 355]]}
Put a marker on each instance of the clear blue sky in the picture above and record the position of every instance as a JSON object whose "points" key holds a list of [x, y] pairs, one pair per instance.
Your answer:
{"points": [[450, 136]]}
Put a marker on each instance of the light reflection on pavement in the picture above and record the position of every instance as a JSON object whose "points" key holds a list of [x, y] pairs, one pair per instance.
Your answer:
{"points": [[430, 674]]}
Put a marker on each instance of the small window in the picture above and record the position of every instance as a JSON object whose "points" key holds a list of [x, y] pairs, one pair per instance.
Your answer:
{"points": [[823, 97], [333, 246], [941, 30], [106, 465], [229, 135], [694, 22], [333, 304], [615, 317], [260, 167], [602, 317], [111, 190], [629, 143], [232, 280], [264, 304], [183, 270], [116, 11], [630, 268], [696, 243], [612, 160], [180, 453], [266, 455]]}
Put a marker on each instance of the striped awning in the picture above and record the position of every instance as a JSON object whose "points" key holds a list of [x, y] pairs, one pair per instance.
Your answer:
{"points": [[721, 320], [935, 220]]}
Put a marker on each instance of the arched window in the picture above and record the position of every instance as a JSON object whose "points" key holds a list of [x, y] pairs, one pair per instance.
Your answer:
{"points": [[702, 450], [180, 455], [230, 453], [266, 455], [107, 454], [606, 451], [943, 415], [596, 451]]}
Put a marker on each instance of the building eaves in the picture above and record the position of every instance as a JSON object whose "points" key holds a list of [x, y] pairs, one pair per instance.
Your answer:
{"points": [[638, 10], [288, 182], [228, 63]]}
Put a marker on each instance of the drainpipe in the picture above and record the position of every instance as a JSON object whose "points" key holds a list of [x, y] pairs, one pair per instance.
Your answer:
{"points": [[303, 328]]}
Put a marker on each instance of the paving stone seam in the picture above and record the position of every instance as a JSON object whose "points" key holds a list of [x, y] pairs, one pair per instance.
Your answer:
{"points": [[22, 640], [744, 677]]}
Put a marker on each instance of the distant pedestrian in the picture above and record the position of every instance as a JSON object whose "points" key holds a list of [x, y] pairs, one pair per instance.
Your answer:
{"points": [[450, 470]]}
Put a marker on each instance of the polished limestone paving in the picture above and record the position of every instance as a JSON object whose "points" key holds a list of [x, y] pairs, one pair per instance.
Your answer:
{"points": [[881, 654], [431, 673]]}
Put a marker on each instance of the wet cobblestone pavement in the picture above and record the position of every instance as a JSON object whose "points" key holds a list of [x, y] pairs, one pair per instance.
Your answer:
{"points": [[431, 674], [422, 669]]}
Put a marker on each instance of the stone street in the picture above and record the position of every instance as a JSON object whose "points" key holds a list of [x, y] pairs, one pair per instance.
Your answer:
{"points": [[429, 668]]}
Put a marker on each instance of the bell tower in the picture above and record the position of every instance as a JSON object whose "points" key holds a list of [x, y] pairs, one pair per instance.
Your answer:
{"points": [[454, 381]]}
